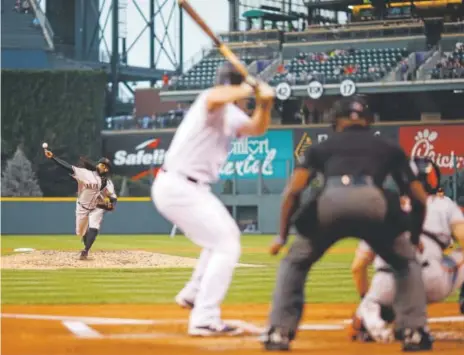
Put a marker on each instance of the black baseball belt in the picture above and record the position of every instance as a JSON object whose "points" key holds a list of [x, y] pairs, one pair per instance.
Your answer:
{"points": [[349, 181], [85, 208], [191, 179]]}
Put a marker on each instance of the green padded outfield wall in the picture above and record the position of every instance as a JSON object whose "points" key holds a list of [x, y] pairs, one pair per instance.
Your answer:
{"points": [[63, 108]]}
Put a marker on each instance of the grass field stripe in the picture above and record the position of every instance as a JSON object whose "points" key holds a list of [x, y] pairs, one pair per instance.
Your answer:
{"points": [[81, 330]]}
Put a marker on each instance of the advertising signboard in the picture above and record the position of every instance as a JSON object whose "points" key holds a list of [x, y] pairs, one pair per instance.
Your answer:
{"points": [[268, 155], [304, 137], [136, 155], [444, 144]]}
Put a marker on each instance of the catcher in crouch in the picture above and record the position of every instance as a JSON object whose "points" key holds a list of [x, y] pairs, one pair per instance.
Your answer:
{"points": [[442, 267], [95, 195]]}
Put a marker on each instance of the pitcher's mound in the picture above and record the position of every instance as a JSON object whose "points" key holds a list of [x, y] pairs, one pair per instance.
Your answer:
{"points": [[117, 259]]}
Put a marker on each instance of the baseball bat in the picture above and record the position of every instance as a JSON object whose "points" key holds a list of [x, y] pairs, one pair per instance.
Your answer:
{"points": [[224, 49]]}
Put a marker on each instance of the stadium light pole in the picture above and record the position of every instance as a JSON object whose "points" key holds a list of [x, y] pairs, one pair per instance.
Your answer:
{"points": [[115, 58]]}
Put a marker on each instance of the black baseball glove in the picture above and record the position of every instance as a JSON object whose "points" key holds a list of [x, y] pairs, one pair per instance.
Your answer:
{"points": [[106, 205]]}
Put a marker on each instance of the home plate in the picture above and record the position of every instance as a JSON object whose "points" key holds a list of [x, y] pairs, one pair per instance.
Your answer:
{"points": [[321, 327], [246, 327]]}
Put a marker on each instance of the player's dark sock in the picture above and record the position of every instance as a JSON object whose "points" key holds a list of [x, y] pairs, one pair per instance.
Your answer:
{"points": [[387, 314], [90, 239], [84, 237]]}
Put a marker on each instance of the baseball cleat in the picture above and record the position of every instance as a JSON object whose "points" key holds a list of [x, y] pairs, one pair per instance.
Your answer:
{"points": [[358, 332], [417, 340], [276, 339], [214, 331], [83, 255], [184, 303]]}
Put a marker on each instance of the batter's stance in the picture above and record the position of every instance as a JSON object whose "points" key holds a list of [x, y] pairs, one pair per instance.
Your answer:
{"points": [[352, 203], [182, 193], [442, 270], [94, 187]]}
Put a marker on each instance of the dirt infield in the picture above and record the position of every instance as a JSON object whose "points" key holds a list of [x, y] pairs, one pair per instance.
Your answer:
{"points": [[120, 259], [161, 330]]}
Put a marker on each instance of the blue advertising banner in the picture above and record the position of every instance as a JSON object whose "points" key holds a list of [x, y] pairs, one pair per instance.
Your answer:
{"points": [[270, 155]]}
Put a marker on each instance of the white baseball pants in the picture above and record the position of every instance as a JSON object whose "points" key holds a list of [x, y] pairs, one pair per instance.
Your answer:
{"points": [[441, 279], [87, 219], [204, 220]]}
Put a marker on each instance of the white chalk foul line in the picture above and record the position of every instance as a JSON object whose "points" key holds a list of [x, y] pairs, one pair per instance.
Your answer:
{"points": [[93, 320], [81, 330], [451, 319], [79, 326]]}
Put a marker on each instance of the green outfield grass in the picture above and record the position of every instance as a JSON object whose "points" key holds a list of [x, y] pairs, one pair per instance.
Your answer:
{"points": [[330, 281]]}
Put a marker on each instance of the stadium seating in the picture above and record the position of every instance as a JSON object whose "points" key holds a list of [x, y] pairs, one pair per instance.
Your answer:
{"points": [[358, 65], [451, 66], [203, 74]]}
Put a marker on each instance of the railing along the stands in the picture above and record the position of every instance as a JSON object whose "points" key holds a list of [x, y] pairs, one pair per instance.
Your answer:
{"points": [[44, 24]]}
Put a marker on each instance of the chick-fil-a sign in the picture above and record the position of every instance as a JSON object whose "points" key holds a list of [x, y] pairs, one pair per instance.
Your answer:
{"points": [[444, 144]]}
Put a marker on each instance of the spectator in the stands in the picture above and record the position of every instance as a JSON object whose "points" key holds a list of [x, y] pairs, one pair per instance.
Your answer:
{"points": [[25, 7], [146, 120], [290, 78], [165, 79]]}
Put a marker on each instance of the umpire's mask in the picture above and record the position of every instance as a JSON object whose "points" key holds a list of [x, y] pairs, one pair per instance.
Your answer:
{"points": [[428, 173]]}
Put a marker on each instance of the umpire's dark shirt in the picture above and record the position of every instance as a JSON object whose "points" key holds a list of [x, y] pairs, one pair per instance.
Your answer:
{"points": [[357, 152]]}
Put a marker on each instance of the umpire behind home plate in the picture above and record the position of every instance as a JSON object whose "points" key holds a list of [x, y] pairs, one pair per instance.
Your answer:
{"points": [[352, 203]]}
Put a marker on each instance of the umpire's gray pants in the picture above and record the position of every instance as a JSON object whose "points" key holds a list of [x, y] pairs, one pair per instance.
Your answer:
{"points": [[363, 211]]}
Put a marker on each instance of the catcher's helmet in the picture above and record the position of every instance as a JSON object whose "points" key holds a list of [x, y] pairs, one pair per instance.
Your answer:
{"points": [[428, 173], [345, 107], [228, 75], [106, 162]]}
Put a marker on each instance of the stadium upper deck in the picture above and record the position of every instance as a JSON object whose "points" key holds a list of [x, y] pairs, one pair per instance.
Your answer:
{"points": [[362, 51]]}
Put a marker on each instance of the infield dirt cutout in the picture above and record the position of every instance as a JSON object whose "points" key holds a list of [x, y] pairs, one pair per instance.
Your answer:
{"points": [[127, 329], [117, 259]]}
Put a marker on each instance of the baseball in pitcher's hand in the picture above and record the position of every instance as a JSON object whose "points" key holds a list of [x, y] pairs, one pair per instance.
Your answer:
{"points": [[48, 153]]}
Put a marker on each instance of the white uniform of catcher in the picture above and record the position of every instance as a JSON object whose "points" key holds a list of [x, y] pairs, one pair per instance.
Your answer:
{"points": [[89, 194], [182, 194], [442, 274]]}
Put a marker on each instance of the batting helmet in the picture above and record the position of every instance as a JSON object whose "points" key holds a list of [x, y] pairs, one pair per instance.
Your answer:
{"points": [[345, 107], [106, 162], [228, 75], [428, 173]]}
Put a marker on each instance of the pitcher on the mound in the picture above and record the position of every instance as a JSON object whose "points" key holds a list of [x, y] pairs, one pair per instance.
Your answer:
{"points": [[95, 195], [442, 270], [181, 191]]}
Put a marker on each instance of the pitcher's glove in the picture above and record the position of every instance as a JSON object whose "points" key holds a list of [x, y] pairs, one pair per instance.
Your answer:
{"points": [[106, 205]]}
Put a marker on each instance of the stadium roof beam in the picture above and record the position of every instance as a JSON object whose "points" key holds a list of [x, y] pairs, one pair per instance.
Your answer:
{"points": [[100, 37], [334, 5]]}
